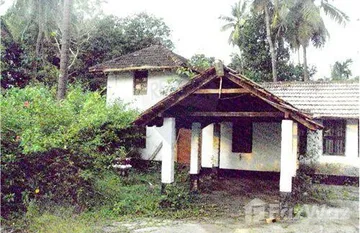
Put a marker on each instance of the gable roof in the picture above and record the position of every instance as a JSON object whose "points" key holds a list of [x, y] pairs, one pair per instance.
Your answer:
{"points": [[254, 89], [321, 99], [153, 57]]}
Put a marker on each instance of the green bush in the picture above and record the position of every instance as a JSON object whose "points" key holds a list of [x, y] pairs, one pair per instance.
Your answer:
{"points": [[51, 150]]}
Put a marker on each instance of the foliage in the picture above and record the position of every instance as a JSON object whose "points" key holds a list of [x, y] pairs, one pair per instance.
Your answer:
{"points": [[113, 37], [341, 70], [197, 64], [200, 62], [14, 63], [255, 55], [95, 38], [235, 21], [51, 149]]}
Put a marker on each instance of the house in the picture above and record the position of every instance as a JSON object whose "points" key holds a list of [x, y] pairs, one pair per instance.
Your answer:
{"points": [[221, 119], [336, 106], [141, 78]]}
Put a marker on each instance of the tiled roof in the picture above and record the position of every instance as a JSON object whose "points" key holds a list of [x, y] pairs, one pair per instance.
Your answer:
{"points": [[152, 116], [321, 99], [153, 57]]}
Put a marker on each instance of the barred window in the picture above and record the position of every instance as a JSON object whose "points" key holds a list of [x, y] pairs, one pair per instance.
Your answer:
{"points": [[140, 82], [334, 137]]}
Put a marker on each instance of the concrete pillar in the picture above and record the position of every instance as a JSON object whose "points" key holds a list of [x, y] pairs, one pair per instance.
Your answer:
{"points": [[287, 166], [295, 149], [195, 155], [287, 156], [216, 149], [168, 135], [207, 138]]}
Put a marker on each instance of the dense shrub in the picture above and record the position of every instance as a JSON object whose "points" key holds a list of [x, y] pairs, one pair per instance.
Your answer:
{"points": [[51, 150]]}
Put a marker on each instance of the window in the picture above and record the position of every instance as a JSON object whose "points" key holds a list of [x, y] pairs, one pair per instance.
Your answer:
{"points": [[334, 137], [140, 82], [242, 137]]}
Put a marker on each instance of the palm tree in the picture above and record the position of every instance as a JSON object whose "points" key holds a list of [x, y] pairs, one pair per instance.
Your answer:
{"points": [[235, 23], [304, 25], [264, 6], [341, 70], [64, 57]]}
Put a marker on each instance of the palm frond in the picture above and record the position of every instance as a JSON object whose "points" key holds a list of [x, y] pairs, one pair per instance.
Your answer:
{"points": [[334, 13]]}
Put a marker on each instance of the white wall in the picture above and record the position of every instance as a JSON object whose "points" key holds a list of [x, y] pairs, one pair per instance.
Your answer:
{"points": [[315, 144], [120, 86], [265, 154]]}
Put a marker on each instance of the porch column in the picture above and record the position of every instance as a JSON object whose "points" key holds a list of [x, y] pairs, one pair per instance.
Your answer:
{"points": [[195, 156], [168, 152], [216, 148], [287, 158], [295, 148], [287, 166]]}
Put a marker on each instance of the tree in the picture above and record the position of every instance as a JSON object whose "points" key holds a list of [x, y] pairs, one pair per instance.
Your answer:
{"points": [[265, 6], [112, 37], [341, 70], [256, 58], [304, 24], [200, 62], [62, 82], [235, 22]]}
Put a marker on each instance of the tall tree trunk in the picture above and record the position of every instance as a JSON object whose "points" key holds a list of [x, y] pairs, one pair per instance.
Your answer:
{"points": [[306, 73], [64, 58], [39, 39], [271, 44]]}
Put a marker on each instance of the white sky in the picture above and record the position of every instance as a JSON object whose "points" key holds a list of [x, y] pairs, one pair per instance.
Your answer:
{"points": [[196, 29]]}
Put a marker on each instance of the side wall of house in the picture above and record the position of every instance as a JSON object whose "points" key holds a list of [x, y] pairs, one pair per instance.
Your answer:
{"points": [[120, 87], [347, 164], [266, 148]]}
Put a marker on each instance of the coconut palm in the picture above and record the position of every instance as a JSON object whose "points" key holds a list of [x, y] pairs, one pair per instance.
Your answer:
{"points": [[265, 6], [305, 25], [235, 23], [341, 70], [64, 57]]}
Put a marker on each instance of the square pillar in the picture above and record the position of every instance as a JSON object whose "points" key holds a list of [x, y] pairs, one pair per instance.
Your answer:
{"points": [[195, 155], [168, 135], [287, 156], [295, 149]]}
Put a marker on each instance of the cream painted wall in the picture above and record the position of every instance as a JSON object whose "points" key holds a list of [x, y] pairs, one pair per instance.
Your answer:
{"points": [[120, 88], [265, 154], [351, 146]]}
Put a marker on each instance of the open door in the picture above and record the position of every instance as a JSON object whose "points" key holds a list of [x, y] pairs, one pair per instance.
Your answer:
{"points": [[184, 146]]}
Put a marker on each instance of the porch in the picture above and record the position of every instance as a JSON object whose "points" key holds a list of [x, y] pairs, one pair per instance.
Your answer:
{"points": [[223, 113]]}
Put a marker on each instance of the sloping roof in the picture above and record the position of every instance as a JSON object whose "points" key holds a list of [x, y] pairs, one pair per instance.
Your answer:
{"points": [[202, 79], [153, 57], [321, 99]]}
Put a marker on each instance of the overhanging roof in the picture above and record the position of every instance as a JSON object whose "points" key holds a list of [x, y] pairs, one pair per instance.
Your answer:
{"points": [[253, 89], [150, 58]]}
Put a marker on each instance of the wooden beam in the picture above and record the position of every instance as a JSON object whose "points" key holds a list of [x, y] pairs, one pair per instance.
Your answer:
{"points": [[223, 91], [235, 114]]}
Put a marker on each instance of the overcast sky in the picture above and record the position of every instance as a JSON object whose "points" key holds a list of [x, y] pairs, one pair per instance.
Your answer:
{"points": [[196, 29]]}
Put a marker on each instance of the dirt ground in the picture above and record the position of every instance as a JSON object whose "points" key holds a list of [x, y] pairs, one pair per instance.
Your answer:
{"points": [[228, 197]]}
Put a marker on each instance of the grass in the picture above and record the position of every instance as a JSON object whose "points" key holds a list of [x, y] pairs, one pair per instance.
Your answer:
{"points": [[138, 196], [119, 199]]}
